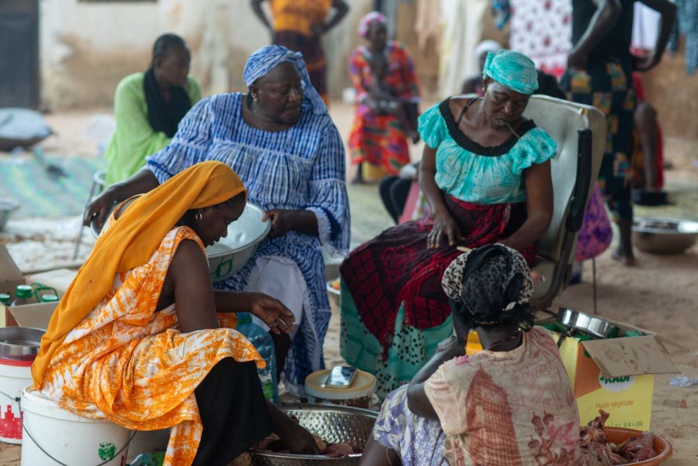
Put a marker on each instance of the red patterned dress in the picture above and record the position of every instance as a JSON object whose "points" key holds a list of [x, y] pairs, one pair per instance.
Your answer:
{"points": [[381, 140]]}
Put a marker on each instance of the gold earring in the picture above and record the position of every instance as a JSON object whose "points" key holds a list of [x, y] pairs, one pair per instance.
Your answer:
{"points": [[198, 216]]}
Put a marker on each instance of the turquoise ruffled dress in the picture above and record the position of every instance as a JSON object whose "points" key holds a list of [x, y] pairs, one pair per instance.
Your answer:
{"points": [[471, 173]]}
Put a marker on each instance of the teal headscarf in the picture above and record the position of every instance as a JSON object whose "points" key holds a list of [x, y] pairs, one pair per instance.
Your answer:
{"points": [[513, 70]]}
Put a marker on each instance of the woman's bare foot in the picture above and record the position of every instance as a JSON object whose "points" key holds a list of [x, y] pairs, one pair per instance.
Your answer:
{"points": [[627, 260]]}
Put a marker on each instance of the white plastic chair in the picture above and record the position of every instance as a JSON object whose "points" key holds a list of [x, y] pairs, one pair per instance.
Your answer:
{"points": [[580, 133]]}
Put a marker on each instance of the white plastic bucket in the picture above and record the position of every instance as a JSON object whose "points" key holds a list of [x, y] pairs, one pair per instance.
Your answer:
{"points": [[14, 376], [52, 432], [148, 442]]}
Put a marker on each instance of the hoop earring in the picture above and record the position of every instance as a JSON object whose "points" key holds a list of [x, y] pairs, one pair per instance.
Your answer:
{"points": [[198, 216]]}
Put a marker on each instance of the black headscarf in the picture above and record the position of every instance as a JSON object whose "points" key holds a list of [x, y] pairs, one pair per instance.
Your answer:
{"points": [[164, 116], [489, 285]]}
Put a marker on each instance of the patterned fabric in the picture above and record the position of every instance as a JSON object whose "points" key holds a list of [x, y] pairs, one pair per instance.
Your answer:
{"points": [[494, 412], [396, 268], [416, 440], [300, 168], [263, 60], [488, 283], [133, 138], [686, 24], [596, 233], [409, 349], [380, 139], [513, 70], [482, 175], [293, 28], [147, 220], [541, 30], [607, 85], [127, 363]]}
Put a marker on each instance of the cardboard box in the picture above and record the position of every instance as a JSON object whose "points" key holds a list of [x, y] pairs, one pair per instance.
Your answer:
{"points": [[32, 315], [10, 276], [615, 374]]}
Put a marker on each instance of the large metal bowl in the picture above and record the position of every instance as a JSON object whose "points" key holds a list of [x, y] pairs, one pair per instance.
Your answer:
{"points": [[332, 423], [230, 254], [7, 206], [590, 325], [20, 343], [664, 236]]}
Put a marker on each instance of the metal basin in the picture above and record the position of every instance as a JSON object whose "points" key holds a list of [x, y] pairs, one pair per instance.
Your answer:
{"points": [[664, 236], [229, 255], [7, 206], [334, 424], [20, 343], [590, 325]]}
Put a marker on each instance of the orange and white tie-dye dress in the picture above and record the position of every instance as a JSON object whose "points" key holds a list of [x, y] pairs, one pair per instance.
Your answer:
{"points": [[129, 364]]}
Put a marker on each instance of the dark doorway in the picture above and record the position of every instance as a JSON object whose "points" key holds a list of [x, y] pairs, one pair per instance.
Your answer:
{"points": [[19, 53]]}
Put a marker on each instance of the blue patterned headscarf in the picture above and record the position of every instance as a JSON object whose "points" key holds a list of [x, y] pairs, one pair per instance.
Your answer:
{"points": [[263, 60], [513, 70]]}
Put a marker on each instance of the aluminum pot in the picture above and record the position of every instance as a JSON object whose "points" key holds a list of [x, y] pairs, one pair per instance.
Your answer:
{"points": [[332, 423], [664, 236], [20, 343], [585, 323]]}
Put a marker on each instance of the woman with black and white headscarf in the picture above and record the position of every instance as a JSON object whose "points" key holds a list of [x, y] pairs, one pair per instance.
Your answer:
{"points": [[511, 403]]}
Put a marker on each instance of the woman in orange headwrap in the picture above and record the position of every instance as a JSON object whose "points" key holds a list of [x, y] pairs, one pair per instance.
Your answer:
{"points": [[137, 340]]}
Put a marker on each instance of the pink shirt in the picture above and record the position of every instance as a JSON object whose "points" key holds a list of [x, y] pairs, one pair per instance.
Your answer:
{"points": [[514, 408]]}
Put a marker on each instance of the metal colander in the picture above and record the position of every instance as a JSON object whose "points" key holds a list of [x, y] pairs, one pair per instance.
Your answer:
{"points": [[334, 424]]}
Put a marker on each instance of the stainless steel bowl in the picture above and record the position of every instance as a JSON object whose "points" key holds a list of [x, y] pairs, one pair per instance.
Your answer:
{"points": [[590, 325], [334, 424], [7, 206], [20, 343], [664, 236]]}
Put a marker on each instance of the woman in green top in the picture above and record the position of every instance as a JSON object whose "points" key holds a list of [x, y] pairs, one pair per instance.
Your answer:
{"points": [[148, 107]]}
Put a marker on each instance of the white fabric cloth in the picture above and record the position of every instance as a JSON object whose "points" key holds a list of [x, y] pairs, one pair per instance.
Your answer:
{"points": [[279, 278], [462, 30], [645, 27]]}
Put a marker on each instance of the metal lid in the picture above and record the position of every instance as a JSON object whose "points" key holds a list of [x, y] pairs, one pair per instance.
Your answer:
{"points": [[364, 385], [49, 298], [5, 299]]}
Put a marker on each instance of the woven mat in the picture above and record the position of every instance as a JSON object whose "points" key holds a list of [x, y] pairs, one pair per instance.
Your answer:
{"points": [[26, 180]]}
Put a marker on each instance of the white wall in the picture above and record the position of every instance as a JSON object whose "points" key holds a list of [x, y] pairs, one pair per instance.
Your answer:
{"points": [[86, 48]]}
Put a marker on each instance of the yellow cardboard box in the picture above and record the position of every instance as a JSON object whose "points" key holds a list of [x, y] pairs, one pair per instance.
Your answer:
{"points": [[616, 374]]}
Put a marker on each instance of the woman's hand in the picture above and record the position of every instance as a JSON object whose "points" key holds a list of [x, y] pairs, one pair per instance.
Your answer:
{"points": [[98, 209], [577, 60], [282, 222], [299, 441], [291, 435], [272, 312], [285, 221], [444, 227]]}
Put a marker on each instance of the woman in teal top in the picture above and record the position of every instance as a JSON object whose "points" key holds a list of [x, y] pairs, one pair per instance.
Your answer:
{"points": [[149, 106], [486, 174]]}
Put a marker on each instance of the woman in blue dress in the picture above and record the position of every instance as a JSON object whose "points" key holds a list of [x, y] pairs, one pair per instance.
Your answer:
{"points": [[280, 140], [486, 174]]}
